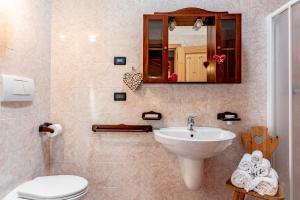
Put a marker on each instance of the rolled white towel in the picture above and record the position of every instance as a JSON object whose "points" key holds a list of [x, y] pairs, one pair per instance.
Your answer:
{"points": [[273, 174], [245, 164], [267, 185], [257, 157], [262, 169], [242, 179]]}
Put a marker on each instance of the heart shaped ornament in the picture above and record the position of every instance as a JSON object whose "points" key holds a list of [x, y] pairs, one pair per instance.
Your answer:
{"points": [[133, 80]]}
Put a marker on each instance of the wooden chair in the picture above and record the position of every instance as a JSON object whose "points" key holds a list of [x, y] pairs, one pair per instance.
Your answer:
{"points": [[257, 139]]}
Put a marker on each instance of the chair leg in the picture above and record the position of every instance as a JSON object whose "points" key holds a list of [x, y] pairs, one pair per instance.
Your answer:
{"points": [[242, 196], [238, 196]]}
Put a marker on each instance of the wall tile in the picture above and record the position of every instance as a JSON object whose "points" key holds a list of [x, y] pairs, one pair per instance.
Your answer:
{"points": [[134, 166], [24, 153]]}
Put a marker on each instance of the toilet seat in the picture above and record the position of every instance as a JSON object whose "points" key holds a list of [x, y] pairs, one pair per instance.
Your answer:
{"points": [[62, 187]]}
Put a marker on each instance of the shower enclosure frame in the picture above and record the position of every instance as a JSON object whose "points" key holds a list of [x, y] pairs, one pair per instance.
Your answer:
{"points": [[271, 83]]}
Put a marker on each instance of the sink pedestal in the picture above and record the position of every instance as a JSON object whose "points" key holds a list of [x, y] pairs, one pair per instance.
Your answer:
{"points": [[192, 172], [191, 151]]}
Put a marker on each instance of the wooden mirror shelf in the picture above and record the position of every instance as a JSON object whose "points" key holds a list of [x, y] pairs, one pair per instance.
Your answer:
{"points": [[192, 45]]}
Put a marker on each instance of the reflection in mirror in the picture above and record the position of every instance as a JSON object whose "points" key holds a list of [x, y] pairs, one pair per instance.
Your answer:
{"points": [[188, 46], [187, 54]]}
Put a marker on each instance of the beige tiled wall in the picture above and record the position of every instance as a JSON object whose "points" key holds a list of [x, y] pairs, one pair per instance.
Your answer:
{"points": [[25, 51], [134, 166]]}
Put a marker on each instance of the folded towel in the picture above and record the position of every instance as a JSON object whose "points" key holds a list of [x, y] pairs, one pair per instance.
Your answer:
{"points": [[242, 179], [262, 169], [245, 164], [257, 157], [267, 185]]}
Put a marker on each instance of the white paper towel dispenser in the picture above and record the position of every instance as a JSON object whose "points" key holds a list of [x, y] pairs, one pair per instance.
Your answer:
{"points": [[16, 88]]}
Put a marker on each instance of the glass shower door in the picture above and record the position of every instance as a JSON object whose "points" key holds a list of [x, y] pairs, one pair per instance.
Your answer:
{"points": [[295, 23], [284, 94], [280, 24]]}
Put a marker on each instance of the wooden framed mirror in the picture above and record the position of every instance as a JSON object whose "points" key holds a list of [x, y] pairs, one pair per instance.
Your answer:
{"points": [[192, 45]]}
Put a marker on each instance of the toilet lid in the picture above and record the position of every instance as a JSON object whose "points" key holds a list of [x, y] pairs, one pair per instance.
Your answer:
{"points": [[53, 187]]}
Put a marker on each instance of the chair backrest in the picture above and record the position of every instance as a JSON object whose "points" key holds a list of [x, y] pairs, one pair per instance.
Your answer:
{"points": [[259, 139]]}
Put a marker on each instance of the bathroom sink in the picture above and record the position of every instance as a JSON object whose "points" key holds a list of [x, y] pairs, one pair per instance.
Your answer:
{"points": [[192, 147], [201, 143]]}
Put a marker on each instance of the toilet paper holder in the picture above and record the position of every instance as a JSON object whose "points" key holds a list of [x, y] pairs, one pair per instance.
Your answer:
{"points": [[45, 128]]}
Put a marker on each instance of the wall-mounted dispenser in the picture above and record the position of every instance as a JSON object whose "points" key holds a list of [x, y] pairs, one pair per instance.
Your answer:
{"points": [[228, 117], [151, 115], [16, 88]]}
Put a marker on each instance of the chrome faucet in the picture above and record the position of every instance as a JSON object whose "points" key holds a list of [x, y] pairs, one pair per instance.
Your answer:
{"points": [[191, 123]]}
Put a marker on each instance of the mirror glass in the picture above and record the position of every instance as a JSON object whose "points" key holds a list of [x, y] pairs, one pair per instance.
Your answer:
{"points": [[228, 37], [188, 49], [155, 42]]}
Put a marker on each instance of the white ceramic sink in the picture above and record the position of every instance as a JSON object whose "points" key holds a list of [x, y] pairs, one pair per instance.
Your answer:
{"points": [[192, 147]]}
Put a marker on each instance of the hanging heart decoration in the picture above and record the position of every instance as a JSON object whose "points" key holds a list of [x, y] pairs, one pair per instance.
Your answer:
{"points": [[133, 80]]}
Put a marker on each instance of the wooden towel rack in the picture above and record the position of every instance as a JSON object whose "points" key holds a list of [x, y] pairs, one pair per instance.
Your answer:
{"points": [[121, 128]]}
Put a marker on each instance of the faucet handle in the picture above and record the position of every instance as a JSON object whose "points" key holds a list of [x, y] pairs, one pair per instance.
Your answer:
{"points": [[192, 116]]}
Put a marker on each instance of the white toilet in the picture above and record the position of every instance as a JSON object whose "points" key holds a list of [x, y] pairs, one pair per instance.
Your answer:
{"points": [[61, 187]]}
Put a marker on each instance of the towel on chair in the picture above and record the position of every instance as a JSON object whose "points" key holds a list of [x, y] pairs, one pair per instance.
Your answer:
{"points": [[255, 173], [246, 164], [242, 179], [262, 169], [257, 157], [267, 185]]}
